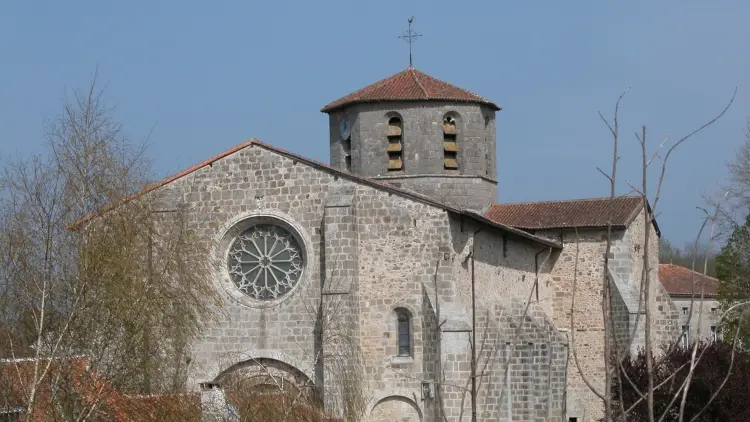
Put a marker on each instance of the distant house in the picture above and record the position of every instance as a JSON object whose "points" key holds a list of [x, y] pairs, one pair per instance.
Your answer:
{"points": [[685, 286]]}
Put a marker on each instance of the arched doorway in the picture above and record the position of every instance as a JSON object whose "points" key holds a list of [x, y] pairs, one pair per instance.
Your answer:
{"points": [[268, 388], [395, 409]]}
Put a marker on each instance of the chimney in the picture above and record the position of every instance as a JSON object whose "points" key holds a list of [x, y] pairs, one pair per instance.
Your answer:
{"points": [[213, 402]]}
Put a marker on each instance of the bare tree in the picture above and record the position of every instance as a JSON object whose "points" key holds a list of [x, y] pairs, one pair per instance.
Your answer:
{"points": [[739, 170], [92, 265], [648, 287]]}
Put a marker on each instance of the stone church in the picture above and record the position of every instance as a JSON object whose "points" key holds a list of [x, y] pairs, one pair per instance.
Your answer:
{"points": [[391, 282]]}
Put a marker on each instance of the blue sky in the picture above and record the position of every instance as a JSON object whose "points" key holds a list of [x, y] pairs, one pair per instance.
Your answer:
{"points": [[206, 76]]}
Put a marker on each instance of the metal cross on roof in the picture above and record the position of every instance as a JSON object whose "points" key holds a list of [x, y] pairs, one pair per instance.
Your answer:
{"points": [[410, 37]]}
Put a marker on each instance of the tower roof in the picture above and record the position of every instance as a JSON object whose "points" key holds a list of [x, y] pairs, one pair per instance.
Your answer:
{"points": [[409, 85]]}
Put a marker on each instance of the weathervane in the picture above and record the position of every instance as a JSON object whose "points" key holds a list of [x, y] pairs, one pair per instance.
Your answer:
{"points": [[410, 37]]}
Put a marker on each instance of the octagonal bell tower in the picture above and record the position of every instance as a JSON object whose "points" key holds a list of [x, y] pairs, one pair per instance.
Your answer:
{"points": [[421, 134]]}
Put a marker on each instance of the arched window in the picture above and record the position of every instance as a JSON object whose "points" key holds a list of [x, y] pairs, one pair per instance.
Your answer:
{"points": [[395, 144], [403, 326], [347, 145], [450, 149]]}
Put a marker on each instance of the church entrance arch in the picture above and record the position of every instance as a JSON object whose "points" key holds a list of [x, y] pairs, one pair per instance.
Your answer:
{"points": [[395, 409], [267, 376]]}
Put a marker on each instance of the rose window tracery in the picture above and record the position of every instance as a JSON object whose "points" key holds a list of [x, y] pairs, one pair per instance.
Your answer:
{"points": [[265, 261]]}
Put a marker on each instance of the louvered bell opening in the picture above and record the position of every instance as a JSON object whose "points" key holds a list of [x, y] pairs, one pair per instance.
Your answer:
{"points": [[394, 146], [449, 128], [450, 146], [394, 129], [449, 160]]}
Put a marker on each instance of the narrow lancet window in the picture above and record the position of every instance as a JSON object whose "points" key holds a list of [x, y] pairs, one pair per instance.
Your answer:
{"points": [[346, 142], [404, 334], [395, 144], [347, 145], [450, 149], [685, 336]]}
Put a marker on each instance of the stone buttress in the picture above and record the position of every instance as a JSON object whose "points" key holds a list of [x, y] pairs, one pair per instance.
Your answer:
{"points": [[337, 331]]}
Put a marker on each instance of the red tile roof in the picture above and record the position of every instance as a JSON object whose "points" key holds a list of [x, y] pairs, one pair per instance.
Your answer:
{"points": [[678, 280], [580, 213], [409, 85]]}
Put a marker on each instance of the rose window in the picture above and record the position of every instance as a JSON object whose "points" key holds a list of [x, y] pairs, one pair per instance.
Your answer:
{"points": [[265, 261]]}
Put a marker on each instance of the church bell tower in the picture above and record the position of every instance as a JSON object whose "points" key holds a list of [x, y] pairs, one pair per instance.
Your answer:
{"points": [[419, 133]]}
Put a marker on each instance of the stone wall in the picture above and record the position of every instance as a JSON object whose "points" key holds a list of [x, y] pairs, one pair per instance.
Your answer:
{"points": [[665, 327], [707, 310], [579, 269], [426, 259], [418, 258], [369, 251], [253, 183], [400, 244], [463, 192], [586, 273], [422, 152], [521, 355]]}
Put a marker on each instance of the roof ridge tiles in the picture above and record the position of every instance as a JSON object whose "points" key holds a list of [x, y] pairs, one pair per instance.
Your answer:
{"points": [[416, 79], [548, 201], [409, 85]]}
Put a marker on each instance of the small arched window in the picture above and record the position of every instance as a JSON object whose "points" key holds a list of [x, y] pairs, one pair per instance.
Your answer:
{"points": [[403, 325], [395, 144], [346, 143], [450, 149]]}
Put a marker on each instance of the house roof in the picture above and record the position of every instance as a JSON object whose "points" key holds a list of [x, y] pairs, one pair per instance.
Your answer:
{"points": [[409, 85], [576, 213], [678, 281], [324, 167]]}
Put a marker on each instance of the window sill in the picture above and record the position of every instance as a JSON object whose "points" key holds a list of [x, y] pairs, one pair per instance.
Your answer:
{"points": [[402, 360]]}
